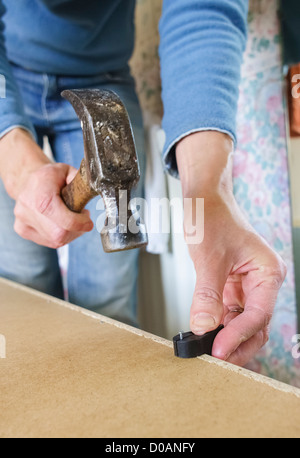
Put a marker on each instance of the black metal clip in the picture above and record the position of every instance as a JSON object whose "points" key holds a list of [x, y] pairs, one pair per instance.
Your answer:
{"points": [[189, 345]]}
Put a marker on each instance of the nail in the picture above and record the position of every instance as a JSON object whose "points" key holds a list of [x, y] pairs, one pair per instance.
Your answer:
{"points": [[203, 322]]}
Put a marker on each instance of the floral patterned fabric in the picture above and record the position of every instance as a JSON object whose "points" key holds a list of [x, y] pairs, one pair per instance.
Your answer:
{"points": [[261, 180]]}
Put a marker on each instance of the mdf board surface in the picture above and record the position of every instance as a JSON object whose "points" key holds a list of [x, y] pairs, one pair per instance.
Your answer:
{"points": [[71, 373]]}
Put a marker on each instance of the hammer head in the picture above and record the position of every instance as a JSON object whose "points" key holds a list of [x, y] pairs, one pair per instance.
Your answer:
{"points": [[109, 149], [110, 160]]}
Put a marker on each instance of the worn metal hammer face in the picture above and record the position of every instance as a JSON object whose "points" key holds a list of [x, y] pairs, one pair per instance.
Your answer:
{"points": [[109, 167]]}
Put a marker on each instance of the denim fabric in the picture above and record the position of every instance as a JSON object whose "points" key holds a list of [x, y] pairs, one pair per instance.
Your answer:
{"points": [[104, 283], [67, 37]]}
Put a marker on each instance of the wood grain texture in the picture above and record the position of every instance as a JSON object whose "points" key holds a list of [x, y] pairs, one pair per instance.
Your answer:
{"points": [[71, 373], [79, 192]]}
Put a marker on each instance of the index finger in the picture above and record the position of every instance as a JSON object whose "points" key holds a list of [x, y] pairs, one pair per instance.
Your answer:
{"points": [[261, 295], [53, 208]]}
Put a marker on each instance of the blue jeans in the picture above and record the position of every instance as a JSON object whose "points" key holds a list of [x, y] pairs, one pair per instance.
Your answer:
{"points": [[102, 282]]}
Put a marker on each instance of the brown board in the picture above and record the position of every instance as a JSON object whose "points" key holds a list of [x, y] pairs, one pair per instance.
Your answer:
{"points": [[67, 372]]}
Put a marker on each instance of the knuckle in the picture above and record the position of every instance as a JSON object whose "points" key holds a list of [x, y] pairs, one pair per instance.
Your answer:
{"points": [[263, 316], [17, 211], [45, 172], [275, 272], [207, 294], [23, 201], [20, 229], [59, 237], [280, 267], [17, 227], [70, 224], [283, 268], [275, 276], [265, 335], [45, 204]]}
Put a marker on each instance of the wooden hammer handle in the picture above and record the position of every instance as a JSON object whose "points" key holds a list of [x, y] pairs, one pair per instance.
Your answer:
{"points": [[78, 193]]}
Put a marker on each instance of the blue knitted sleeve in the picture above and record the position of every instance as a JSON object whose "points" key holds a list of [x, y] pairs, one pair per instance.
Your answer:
{"points": [[12, 113], [201, 51]]}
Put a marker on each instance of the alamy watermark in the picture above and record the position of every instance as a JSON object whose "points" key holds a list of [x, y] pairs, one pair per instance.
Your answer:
{"points": [[161, 216], [2, 87], [2, 347], [296, 348], [296, 87]]}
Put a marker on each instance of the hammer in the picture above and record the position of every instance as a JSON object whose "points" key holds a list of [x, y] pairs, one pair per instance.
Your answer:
{"points": [[109, 168]]}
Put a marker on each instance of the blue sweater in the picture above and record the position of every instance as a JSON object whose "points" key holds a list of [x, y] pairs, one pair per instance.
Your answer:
{"points": [[202, 43]]}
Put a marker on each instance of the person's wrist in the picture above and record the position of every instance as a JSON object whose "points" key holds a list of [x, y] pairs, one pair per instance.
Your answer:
{"points": [[204, 162], [19, 157]]}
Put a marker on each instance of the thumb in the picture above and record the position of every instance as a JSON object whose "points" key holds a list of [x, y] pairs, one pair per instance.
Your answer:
{"points": [[207, 306], [71, 173]]}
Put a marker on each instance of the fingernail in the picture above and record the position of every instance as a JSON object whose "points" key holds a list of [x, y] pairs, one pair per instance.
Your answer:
{"points": [[203, 322]]}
